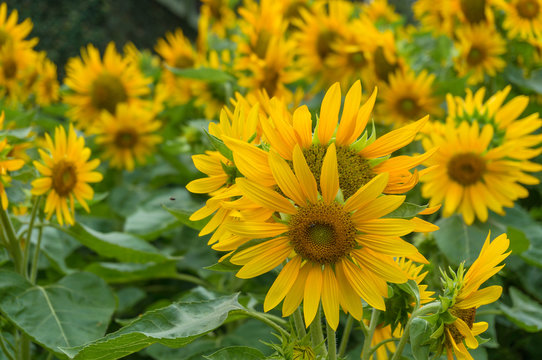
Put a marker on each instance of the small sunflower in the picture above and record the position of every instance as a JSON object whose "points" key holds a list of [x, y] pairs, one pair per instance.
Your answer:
{"points": [[338, 251], [435, 15], [480, 51], [99, 85], [380, 11], [17, 65], [66, 173], [523, 18], [385, 59], [483, 156], [46, 87], [408, 96], [128, 135], [468, 297]]}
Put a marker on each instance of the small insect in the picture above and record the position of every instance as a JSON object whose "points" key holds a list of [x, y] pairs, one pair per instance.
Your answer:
{"points": [[171, 198]]}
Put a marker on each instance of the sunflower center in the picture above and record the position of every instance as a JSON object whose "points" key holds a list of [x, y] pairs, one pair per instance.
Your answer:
{"points": [[474, 10], [357, 59], [466, 169], [467, 315], [106, 92], [528, 9], [261, 44], [324, 43], [354, 170], [183, 62], [475, 56], [64, 177], [382, 67], [322, 233], [9, 67], [126, 139], [408, 107], [270, 81]]}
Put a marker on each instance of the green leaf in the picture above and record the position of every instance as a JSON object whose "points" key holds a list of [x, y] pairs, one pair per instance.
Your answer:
{"points": [[518, 241], [525, 312], [175, 326], [123, 247], [182, 212], [71, 312], [115, 273], [219, 145], [203, 73], [533, 83], [235, 353], [420, 332], [411, 287], [406, 211]]}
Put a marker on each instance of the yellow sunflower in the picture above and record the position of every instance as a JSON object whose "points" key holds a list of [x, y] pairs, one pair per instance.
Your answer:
{"points": [[523, 18], [8, 162], [66, 173], [385, 59], [10, 31], [127, 136], [408, 96], [380, 10], [46, 87], [435, 15], [469, 297], [99, 85], [483, 156], [17, 64], [218, 15], [480, 51], [338, 251]]}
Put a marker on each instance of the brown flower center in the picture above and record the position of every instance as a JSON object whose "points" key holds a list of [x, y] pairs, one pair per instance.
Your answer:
{"points": [[357, 59], [474, 10], [354, 170], [467, 315], [106, 92], [528, 9], [183, 62], [322, 233], [64, 177], [324, 43], [9, 67], [126, 138], [382, 67], [475, 56], [409, 107], [467, 168], [261, 44], [270, 81]]}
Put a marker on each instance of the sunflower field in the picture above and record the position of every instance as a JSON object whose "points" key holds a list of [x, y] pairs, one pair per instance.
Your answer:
{"points": [[288, 179]]}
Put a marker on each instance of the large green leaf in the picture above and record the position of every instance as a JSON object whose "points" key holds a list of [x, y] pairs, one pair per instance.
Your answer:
{"points": [[235, 353], [525, 312], [115, 273], [123, 247], [420, 331], [71, 312], [175, 326]]}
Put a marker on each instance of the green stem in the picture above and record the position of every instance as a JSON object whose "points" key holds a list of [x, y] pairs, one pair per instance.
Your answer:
{"points": [[346, 335], [4, 347], [317, 335], [431, 307], [25, 347], [267, 321], [29, 234], [383, 342], [365, 352], [15, 248], [299, 324], [192, 279], [331, 342], [35, 258]]}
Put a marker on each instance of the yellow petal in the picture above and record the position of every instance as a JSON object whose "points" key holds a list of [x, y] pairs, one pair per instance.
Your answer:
{"points": [[330, 301], [302, 123], [379, 207], [265, 262], [329, 113], [311, 295], [286, 179], [349, 114], [387, 227], [295, 295], [257, 230], [350, 300], [329, 179], [265, 196], [464, 329], [383, 265], [361, 285], [251, 161], [481, 297], [367, 193], [305, 176], [283, 283]]}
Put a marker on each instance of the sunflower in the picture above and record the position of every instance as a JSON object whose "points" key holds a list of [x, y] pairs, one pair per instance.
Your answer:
{"points": [[483, 155], [468, 298], [128, 135], [380, 11], [8, 162], [408, 96], [218, 16], [17, 64], [523, 18], [46, 87], [359, 156], [435, 15], [99, 85], [10, 31], [385, 59], [480, 50], [338, 251], [66, 173]]}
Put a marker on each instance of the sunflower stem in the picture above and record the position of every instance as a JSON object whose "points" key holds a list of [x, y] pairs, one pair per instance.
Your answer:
{"points": [[331, 342], [366, 351], [35, 258], [317, 335], [29, 233], [14, 246], [261, 317], [299, 324], [383, 342], [4, 347], [346, 335]]}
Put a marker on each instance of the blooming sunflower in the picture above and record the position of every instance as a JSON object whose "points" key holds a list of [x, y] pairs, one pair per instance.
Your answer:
{"points": [[46, 88], [99, 85], [435, 15], [66, 173], [17, 63], [480, 50], [408, 96], [338, 251], [523, 18], [128, 135], [380, 10], [483, 156], [468, 297]]}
